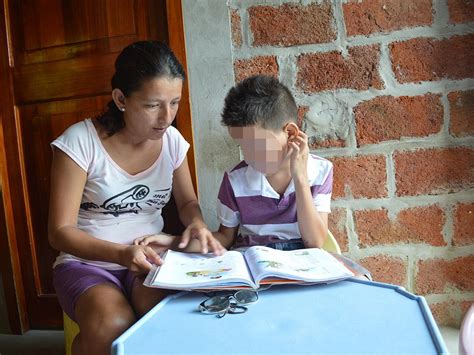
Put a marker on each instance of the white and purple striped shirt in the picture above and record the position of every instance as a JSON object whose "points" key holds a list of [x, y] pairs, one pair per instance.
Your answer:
{"points": [[247, 199]]}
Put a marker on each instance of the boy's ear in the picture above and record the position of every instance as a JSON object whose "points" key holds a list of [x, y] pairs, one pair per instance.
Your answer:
{"points": [[292, 130]]}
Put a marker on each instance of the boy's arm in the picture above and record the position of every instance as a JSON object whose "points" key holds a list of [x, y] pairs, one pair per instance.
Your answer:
{"points": [[226, 235], [313, 225]]}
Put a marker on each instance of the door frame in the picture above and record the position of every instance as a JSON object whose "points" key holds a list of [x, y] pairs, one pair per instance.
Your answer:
{"points": [[12, 178]]}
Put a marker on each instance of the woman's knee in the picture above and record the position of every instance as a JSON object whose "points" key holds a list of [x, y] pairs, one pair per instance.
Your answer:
{"points": [[98, 332], [103, 314], [111, 324]]}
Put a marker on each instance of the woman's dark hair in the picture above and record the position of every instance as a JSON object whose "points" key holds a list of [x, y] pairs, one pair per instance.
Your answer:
{"points": [[137, 63]]}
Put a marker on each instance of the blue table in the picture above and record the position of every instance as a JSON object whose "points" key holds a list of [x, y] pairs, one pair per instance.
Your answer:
{"points": [[350, 316]]}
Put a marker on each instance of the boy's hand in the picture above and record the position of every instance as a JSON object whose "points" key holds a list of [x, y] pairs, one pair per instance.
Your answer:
{"points": [[199, 231], [298, 152]]}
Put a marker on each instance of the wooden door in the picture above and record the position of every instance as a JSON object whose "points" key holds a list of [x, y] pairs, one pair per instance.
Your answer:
{"points": [[56, 61]]}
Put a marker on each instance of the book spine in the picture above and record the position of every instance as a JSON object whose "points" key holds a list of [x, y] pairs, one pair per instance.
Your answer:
{"points": [[149, 278]]}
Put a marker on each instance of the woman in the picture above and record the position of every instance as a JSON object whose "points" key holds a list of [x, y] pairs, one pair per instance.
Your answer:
{"points": [[110, 178]]}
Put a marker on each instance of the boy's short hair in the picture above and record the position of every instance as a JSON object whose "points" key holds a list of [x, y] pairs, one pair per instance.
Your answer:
{"points": [[259, 100]]}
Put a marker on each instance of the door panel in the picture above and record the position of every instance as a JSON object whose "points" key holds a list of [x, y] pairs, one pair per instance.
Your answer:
{"points": [[39, 124], [57, 58], [86, 20]]}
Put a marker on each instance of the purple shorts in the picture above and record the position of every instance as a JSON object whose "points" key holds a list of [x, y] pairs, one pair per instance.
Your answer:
{"points": [[72, 279]]}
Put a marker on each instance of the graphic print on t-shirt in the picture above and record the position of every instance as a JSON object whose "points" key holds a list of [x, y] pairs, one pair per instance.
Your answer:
{"points": [[129, 201]]}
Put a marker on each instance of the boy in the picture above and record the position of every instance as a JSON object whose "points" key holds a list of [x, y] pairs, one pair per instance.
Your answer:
{"points": [[279, 196]]}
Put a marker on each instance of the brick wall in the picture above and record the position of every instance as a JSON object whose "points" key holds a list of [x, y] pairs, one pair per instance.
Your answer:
{"points": [[385, 90]]}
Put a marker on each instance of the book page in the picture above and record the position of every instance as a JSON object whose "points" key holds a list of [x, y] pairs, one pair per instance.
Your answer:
{"points": [[308, 265], [189, 271]]}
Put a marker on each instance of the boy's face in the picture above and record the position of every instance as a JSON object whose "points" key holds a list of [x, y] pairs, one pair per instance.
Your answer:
{"points": [[263, 149]]}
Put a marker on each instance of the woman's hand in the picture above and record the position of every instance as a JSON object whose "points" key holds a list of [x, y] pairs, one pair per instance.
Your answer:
{"points": [[139, 258], [199, 231]]}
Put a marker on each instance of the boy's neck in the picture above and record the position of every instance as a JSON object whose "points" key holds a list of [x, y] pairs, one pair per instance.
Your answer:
{"points": [[280, 180]]}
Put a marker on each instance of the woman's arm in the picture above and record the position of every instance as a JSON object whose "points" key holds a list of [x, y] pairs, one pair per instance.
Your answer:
{"points": [[67, 186], [191, 216]]}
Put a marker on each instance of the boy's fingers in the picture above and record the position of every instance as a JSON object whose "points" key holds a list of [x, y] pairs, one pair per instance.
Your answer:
{"points": [[296, 149], [300, 138]]}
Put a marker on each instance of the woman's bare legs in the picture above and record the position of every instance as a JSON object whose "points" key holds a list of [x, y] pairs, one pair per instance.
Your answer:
{"points": [[103, 313]]}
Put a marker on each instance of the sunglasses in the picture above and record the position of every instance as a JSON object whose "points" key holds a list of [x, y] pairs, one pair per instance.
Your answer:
{"points": [[234, 303]]}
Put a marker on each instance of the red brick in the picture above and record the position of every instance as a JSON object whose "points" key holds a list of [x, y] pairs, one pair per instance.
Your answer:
{"points": [[444, 276], [291, 25], [434, 171], [463, 219], [461, 11], [449, 313], [462, 113], [412, 225], [389, 269], [316, 143], [244, 68], [337, 226], [427, 59], [236, 28], [360, 176], [387, 118], [331, 70], [372, 16]]}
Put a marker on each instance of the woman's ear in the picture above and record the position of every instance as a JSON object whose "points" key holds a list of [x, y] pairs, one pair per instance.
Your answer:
{"points": [[119, 99], [292, 130]]}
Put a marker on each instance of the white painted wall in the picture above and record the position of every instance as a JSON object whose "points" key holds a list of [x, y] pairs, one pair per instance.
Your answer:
{"points": [[210, 72]]}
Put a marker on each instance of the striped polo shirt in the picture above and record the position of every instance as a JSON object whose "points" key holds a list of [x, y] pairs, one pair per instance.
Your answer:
{"points": [[247, 199]]}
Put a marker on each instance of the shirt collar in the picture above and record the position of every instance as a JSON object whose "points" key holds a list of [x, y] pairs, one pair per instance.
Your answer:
{"points": [[258, 182]]}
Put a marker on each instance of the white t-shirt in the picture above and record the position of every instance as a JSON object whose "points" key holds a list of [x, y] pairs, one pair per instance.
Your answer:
{"points": [[116, 206]]}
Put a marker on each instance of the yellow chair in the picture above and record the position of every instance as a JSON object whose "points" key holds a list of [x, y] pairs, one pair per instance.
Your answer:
{"points": [[331, 244], [71, 329]]}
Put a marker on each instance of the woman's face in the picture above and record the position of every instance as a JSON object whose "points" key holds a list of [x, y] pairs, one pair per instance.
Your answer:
{"points": [[151, 110]]}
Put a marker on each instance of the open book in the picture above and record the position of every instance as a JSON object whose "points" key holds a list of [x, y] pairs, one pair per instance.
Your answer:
{"points": [[257, 266]]}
